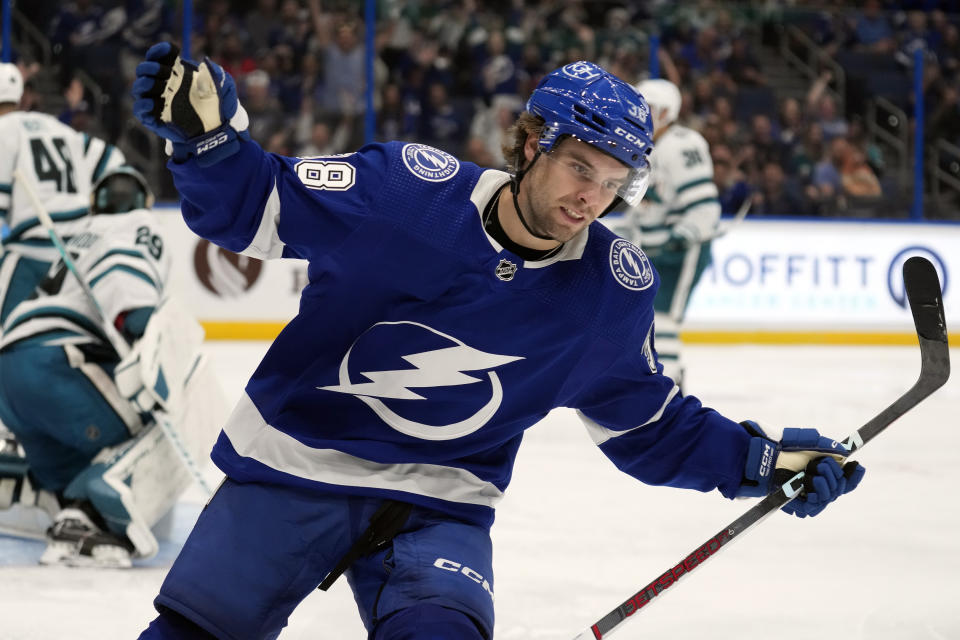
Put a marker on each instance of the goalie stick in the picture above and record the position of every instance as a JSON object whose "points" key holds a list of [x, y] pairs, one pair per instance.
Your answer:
{"points": [[117, 341], [923, 292]]}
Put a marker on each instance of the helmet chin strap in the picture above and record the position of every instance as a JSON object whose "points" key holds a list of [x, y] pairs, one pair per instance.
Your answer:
{"points": [[515, 188]]}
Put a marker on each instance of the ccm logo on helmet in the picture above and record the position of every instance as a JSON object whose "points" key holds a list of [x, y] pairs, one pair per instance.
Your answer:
{"points": [[456, 567], [635, 139]]}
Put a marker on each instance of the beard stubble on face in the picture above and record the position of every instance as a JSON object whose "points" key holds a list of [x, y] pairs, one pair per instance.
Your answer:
{"points": [[542, 207]]}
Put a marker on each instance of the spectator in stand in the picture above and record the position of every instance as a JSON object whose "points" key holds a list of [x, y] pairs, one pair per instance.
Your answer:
{"points": [[394, 122], [765, 142], [731, 183], [791, 123], [498, 74], [87, 37], [294, 28], [806, 153], [857, 178], [823, 108], [312, 137], [442, 125], [232, 53], [826, 184], [490, 127], [290, 83], [742, 65], [872, 30], [344, 69], [266, 116], [262, 23], [705, 53], [777, 194]]}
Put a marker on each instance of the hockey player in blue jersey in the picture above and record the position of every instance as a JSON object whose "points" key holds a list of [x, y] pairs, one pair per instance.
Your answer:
{"points": [[448, 308]]}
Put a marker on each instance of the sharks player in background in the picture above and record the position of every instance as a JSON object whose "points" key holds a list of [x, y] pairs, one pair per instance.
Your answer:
{"points": [[676, 220], [448, 308], [58, 392], [63, 164]]}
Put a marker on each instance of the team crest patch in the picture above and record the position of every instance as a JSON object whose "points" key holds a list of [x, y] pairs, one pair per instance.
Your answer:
{"points": [[505, 270], [428, 163], [630, 265]]}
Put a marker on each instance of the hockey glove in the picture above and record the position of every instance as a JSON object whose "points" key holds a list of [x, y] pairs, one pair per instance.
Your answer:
{"points": [[194, 106], [772, 462]]}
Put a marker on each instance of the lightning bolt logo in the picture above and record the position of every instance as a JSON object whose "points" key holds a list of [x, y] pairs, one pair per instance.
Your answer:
{"points": [[444, 367], [432, 158], [631, 261]]}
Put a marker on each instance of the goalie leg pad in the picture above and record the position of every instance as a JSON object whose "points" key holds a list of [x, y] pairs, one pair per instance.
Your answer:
{"points": [[25, 511], [132, 486]]}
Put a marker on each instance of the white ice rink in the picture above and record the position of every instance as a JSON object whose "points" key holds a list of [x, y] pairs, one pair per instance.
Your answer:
{"points": [[574, 537]]}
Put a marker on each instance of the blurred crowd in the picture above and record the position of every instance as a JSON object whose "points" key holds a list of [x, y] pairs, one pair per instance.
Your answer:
{"points": [[453, 73]]}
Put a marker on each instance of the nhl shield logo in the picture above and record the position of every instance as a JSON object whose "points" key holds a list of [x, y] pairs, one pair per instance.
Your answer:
{"points": [[505, 270]]}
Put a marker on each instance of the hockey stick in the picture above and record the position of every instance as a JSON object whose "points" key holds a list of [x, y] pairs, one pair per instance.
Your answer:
{"points": [[923, 291], [116, 340], [734, 221]]}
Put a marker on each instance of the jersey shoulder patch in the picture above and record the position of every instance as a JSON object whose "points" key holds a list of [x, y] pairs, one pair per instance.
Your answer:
{"points": [[630, 266], [428, 163]]}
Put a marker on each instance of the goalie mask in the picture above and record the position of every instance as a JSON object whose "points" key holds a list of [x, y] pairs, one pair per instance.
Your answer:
{"points": [[120, 190], [584, 101]]}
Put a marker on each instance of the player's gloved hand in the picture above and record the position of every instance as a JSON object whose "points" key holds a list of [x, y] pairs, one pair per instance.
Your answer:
{"points": [[771, 462], [194, 106]]}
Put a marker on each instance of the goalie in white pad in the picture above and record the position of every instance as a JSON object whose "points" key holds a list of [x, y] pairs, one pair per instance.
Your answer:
{"points": [[83, 440]]}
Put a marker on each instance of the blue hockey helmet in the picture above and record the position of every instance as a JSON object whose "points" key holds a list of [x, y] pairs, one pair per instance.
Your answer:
{"points": [[592, 105]]}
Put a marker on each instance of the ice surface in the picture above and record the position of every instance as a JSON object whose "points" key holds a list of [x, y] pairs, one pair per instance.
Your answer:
{"points": [[574, 537]]}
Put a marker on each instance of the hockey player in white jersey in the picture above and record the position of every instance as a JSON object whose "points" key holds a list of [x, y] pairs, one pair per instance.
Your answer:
{"points": [[62, 164], [91, 446], [677, 219], [449, 307]]}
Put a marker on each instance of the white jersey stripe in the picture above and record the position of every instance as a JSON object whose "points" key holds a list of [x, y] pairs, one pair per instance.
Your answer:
{"points": [[267, 243], [252, 437], [601, 434]]}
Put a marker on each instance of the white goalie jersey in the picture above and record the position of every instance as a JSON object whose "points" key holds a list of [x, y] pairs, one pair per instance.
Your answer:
{"points": [[682, 197], [126, 266], [61, 163]]}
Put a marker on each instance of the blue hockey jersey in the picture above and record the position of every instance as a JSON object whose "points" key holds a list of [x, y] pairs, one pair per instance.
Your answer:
{"points": [[423, 349]]}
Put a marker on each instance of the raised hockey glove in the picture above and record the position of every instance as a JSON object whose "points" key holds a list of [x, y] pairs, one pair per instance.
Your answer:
{"points": [[771, 462], [194, 106]]}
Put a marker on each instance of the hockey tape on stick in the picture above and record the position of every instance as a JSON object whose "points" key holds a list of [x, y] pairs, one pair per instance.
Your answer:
{"points": [[923, 291]]}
